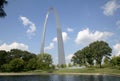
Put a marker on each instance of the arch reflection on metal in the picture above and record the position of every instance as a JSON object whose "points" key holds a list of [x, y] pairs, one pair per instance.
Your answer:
{"points": [[61, 55]]}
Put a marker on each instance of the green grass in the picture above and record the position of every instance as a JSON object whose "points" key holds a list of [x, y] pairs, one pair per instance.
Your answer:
{"points": [[90, 70], [110, 71], [84, 70]]}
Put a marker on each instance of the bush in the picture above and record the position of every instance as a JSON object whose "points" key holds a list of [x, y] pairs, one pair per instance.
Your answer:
{"points": [[5, 68], [16, 65], [44, 61], [32, 64]]}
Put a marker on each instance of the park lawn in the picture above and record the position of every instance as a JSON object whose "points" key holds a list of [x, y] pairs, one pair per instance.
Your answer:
{"points": [[110, 71], [90, 70], [83, 71]]}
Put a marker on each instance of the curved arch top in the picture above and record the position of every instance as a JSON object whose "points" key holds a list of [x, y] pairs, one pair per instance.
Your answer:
{"points": [[61, 55]]}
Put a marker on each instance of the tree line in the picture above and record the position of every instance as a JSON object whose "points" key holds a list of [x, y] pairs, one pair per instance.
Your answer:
{"points": [[17, 60], [96, 53]]}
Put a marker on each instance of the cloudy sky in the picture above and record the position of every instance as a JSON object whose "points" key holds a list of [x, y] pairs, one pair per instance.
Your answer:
{"points": [[82, 22]]}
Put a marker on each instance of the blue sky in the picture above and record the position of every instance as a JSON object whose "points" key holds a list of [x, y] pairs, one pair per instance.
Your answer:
{"points": [[82, 22]]}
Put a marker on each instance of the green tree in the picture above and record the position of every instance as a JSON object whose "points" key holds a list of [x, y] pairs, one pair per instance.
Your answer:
{"points": [[63, 66], [2, 12], [115, 61], [17, 65], [69, 65], [99, 50], [78, 58], [44, 61], [32, 64], [15, 53], [52, 66], [5, 68], [88, 56], [107, 61], [25, 55], [83, 57], [118, 60], [3, 57]]}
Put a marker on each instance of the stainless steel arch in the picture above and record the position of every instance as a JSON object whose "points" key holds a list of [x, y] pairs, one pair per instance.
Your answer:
{"points": [[61, 55]]}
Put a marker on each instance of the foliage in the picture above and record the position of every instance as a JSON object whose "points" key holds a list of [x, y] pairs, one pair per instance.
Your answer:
{"points": [[5, 68], [88, 56], [18, 60], [3, 57], [115, 61], [44, 61], [25, 55], [83, 57], [52, 67], [7, 56], [63, 66], [32, 64], [95, 51], [99, 50], [107, 62], [2, 12], [70, 65], [78, 58], [17, 64]]}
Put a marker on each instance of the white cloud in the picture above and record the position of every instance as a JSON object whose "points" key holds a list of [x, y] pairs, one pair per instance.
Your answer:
{"points": [[31, 25], [13, 45], [70, 30], [68, 58], [118, 23], [51, 46], [110, 7], [116, 49], [54, 39], [86, 36], [64, 36]]}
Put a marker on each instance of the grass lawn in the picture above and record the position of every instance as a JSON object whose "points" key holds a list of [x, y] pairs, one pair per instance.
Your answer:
{"points": [[80, 71], [90, 70], [86, 71]]}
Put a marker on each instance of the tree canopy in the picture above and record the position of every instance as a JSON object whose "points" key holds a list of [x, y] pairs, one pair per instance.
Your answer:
{"points": [[2, 12], [99, 50], [44, 61], [95, 51], [17, 60]]}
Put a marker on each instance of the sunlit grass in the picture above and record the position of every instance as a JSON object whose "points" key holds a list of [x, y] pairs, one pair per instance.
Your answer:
{"points": [[90, 70]]}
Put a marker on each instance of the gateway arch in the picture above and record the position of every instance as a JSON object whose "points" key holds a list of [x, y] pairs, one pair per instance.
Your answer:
{"points": [[61, 55]]}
